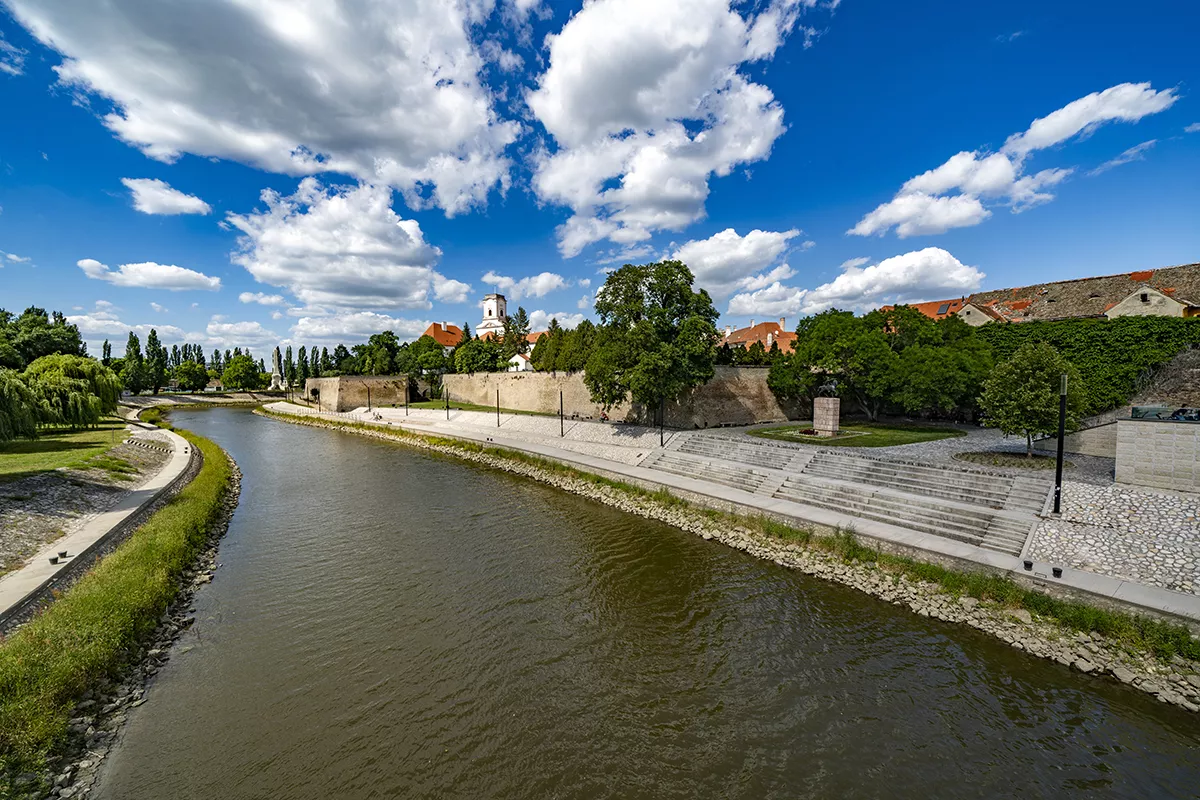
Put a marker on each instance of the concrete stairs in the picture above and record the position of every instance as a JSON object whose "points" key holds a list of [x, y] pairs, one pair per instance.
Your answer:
{"points": [[927, 480], [744, 452], [735, 475], [1004, 533]]}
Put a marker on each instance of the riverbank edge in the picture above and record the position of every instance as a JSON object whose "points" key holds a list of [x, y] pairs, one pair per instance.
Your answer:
{"points": [[76, 727], [971, 597]]}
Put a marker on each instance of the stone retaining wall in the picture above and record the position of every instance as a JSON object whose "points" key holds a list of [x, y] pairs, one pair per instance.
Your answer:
{"points": [[1098, 441], [734, 396], [348, 392], [1159, 453]]}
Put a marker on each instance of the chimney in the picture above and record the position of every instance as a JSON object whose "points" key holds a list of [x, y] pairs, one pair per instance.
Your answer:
{"points": [[728, 330], [751, 323], [782, 323]]}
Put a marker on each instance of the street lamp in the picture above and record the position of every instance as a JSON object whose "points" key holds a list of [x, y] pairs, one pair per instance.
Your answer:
{"points": [[1062, 430]]}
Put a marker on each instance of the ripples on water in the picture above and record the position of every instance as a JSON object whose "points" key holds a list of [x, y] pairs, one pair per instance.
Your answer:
{"points": [[391, 624]]}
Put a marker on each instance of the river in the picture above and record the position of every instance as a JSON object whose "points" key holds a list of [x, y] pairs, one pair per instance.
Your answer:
{"points": [[387, 623]]}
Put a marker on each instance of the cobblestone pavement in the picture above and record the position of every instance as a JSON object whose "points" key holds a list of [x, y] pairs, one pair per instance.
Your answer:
{"points": [[35, 511], [1149, 537], [1086, 469]]}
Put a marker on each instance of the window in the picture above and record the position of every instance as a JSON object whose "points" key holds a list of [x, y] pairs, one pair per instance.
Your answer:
{"points": [[943, 308], [1145, 297]]}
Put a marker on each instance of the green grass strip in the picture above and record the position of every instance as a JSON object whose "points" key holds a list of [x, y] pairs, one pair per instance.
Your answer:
{"points": [[1136, 632], [94, 630]]}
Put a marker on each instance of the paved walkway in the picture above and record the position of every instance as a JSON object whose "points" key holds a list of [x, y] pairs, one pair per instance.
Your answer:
{"points": [[17, 586], [532, 438]]}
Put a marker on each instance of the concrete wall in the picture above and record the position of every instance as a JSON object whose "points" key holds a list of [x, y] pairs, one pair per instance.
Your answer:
{"points": [[348, 392], [1159, 453], [735, 396], [1098, 441]]}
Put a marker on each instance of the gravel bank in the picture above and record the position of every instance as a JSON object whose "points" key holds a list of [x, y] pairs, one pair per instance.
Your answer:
{"points": [[1176, 683]]}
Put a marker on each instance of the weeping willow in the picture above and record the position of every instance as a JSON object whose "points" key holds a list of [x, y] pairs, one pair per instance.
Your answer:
{"points": [[101, 382], [17, 417], [59, 400]]}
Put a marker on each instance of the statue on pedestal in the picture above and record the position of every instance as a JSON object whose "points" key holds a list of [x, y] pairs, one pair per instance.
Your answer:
{"points": [[276, 371]]}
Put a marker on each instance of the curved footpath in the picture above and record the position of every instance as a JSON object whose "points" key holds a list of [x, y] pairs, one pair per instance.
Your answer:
{"points": [[20, 589]]}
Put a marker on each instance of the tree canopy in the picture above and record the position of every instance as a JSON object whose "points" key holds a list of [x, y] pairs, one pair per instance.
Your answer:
{"points": [[242, 373], [1021, 397], [657, 338], [35, 333]]}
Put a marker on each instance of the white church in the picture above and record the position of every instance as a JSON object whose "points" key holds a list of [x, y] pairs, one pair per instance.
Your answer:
{"points": [[495, 314]]}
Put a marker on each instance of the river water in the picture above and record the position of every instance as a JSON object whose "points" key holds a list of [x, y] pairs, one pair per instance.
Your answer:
{"points": [[387, 623]]}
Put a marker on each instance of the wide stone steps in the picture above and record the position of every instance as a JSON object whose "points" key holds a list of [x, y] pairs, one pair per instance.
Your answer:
{"points": [[972, 526], [990, 490], [771, 457], [727, 475]]}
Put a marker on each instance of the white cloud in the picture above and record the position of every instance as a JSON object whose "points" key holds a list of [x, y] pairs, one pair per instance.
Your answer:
{"points": [[341, 247], [538, 285], [1135, 153], [928, 274], [1126, 102], [505, 59], [355, 327], [151, 196], [585, 302], [585, 282], [16, 259], [262, 298], [643, 115], [149, 275], [447, 290], [855, 262], [12, 58], [952, 195], [383, 90], [1193, 128], [540, 320], [159, 308], [1010, 37], [103, 323], [726, 262], [221, 333]]}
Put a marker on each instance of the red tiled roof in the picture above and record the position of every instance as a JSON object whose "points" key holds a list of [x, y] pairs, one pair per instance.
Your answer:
{"points": [[444, 334], [935, 309], [744, 337]]}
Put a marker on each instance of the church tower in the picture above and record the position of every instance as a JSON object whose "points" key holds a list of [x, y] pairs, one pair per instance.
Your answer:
{"points": [[495, 314]]}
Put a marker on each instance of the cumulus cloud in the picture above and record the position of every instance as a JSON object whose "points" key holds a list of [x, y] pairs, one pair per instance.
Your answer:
{"points": [[151, 196], [538, 285], [14, 258], [726, 262], [149, 275], [354, 327], [159, 308], [643, 115], [103, 322], [262, 298], [220, 331], [953, 195], [1193, 128], [1135, 153], [540, 320], [341, 247], [383, 90], [927, 274]]}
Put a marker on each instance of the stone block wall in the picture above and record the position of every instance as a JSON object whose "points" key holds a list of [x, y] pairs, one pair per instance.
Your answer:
{"points": [[1098, 441], [1159, 453], [827, 415], [348, 392], [734, 396]]}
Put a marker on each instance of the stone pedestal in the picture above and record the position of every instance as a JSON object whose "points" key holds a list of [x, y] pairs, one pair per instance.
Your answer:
{"points": [[827, 411], [276, 382]]}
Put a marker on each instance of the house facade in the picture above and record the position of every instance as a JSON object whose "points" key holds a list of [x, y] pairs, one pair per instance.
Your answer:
{"points": [[445, 334], [767, 333]]}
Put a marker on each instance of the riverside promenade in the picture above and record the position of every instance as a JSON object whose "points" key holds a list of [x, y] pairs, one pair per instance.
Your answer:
{"points": [[22, 586], [956, 515]]}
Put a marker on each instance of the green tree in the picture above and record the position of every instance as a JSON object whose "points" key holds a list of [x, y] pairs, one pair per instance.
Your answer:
{"points": [[191, 377], [1022, 394], [302, 373], [477, 355], [516, 334], [215, 362], [343, 362], [657, 338], [17, 416], [105, 353], [545, 353], [133, 368], [326, 361], [314, 362], [155, 363], [35, 334], [241, 373], [99, 380]]}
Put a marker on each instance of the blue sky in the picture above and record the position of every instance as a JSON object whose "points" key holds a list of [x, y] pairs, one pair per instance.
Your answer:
{"points": [[416, 155]]}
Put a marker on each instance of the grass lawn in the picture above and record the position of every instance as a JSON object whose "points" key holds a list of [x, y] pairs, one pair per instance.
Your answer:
{"points": [[456, 405], [1040, 461], [860, 434], [53, 449]]}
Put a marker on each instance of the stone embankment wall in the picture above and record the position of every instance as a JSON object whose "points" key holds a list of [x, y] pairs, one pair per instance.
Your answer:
{"points": [[1098, 441], [1159, 453], [734, 396], [348, 392]]}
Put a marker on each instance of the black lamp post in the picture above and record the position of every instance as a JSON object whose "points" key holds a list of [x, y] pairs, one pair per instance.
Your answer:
{"points": [[562, 430], [662, 413], [1062, 431], [497, 407]]}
